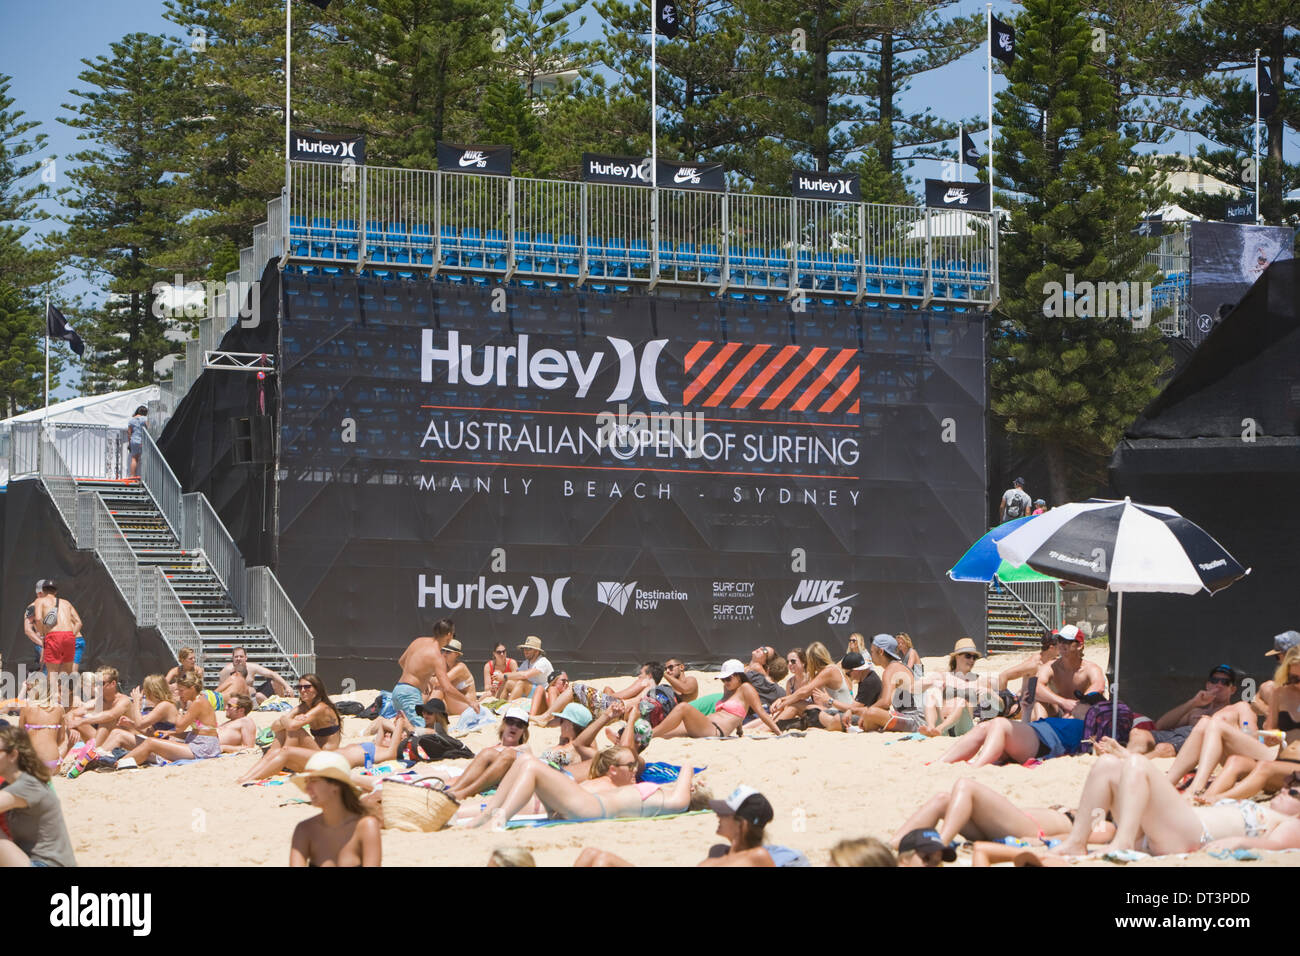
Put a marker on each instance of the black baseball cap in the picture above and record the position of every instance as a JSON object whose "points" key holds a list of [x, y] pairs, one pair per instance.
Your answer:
{"points": [[432, 706], [853, 662], [926, 841]]}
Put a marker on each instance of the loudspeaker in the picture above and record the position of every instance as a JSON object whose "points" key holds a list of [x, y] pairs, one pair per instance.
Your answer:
{"points": [[252, 440]]}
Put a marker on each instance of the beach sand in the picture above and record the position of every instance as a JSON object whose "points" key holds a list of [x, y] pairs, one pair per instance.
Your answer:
{"points": [[824, 786]]}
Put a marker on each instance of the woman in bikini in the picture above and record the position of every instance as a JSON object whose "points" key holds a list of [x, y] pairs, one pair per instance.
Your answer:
{"points": [[196, 725], [823, 675], [459, 675], [186, 663], [42, 717], [610, 792], [979, 812], [344, 834], [501, 663], [491, 764], [1151, 816], [738, 699], [950, 695], [314, 725], [158, 719], [796, 659]]}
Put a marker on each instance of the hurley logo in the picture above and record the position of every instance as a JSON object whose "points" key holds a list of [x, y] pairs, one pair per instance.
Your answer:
{"points": [[77, 909], [547, 369], [480, 596], [839, 186], [687, 174], [343, 150], [957, 195], [473, 157], [824, 595], [615, 595]]}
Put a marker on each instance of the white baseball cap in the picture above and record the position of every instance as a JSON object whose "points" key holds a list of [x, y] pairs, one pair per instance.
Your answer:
{"points": [[515, 713], [730, 668]]}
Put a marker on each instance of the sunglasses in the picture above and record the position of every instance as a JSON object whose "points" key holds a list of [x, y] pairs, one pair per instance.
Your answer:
{"points": [[626, 766], [1221, 681], [968, 654], [305, 687], [515, 722], [1293, 678]]}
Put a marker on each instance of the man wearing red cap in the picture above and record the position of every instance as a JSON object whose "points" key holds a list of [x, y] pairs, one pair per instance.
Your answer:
{"points": [[1068, 675]]}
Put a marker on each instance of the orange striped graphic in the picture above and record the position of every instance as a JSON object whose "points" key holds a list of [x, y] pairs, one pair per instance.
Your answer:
{"points": [[710, 370], [825, 378], [795, 377], [693, 356], [854, 409], [755, 388], [840, 393], [736, 375]]}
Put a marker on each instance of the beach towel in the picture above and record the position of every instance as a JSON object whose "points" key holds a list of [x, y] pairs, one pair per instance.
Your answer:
{"points": [[275, 703], [522, 821], [471, 721], [660, 772]]}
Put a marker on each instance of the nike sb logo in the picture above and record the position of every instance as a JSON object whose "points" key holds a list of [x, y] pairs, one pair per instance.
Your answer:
{"points": [[817, 598]]}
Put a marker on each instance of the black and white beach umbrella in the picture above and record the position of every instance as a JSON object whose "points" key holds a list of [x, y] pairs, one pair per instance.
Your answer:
{"points": [[1122, 546]]}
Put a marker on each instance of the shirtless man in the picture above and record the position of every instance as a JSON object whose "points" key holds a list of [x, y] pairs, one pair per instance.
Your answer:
{"points": [[229, 680], [1060, 680], [1175, 726], [423, 665], [686, 688], [29, 625], [95, 726], [59, 625], [239, 731]]}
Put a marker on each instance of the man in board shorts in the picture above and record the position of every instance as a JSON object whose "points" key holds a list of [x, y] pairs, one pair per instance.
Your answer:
{"points": [[58, 623]]}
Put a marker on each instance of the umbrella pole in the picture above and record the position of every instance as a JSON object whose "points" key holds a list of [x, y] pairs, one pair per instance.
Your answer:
{"points": [[1114, 690]]}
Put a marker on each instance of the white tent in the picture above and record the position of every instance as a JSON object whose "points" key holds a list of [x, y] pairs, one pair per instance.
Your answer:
{"points": [[1173, 213], [92, 448], [950, 224]]}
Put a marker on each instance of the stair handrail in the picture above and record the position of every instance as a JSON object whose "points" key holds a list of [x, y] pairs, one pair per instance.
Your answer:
{"points": [[207, 533], [57, 477], [174, 622], [1006, 586], [114, 551], [158, 477], [271, 608]]}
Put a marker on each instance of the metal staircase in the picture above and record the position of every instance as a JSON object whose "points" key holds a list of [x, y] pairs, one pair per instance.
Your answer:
{"points": [[1016, 620], [206, 602], [167, 552]]}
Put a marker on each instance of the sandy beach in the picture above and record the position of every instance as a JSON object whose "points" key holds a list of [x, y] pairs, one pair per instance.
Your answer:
{"points": [[824, 787]]}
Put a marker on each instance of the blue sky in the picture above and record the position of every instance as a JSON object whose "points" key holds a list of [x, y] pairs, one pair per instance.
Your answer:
{"points": [[44, 43]]}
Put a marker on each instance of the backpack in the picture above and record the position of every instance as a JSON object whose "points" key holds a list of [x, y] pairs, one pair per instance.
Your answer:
{"points": [[1016, 506], [382, 706], [1096, 724], [432, 746], [349, 708]]}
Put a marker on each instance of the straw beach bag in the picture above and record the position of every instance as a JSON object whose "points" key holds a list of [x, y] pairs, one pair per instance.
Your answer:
{"points": [[409, 806]]}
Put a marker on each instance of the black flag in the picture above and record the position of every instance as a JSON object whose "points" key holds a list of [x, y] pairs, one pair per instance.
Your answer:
{"points": [[319, 3], [668, 19], [1004, 41], [1267, 96], [56, 327], [969, 153]]}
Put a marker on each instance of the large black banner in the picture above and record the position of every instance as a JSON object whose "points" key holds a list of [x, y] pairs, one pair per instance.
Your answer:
{"points": [[627, 478], [942, 194], [327, 147], [620, 170], [484, 160], [708, 176], [1226, 260], [810, 184]]}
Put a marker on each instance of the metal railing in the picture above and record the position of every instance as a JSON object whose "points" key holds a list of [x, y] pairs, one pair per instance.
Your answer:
{"points": [[1173, 295], [161, 483], [205, 532], [172, 620], [269, 607], [1042, 599], [57, 477], [553, 232], [113, 549]]}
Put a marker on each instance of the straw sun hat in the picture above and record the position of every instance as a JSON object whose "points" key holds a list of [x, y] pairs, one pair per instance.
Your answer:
{"points": [[964, 646], [330, 765]]}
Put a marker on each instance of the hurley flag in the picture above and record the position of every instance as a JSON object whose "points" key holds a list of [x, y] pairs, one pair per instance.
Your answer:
{"points": [[969, 153], [1004, 41], [1267, 95], [668, 19], [56, 327]]}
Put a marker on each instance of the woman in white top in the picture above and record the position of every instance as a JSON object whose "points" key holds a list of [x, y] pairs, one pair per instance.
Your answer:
{"points": [[823, 675]]}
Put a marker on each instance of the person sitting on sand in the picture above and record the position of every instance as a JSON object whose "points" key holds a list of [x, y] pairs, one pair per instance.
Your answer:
{"points": [[1068, 675], [1152, 817], [764, 672], [42, 717], [313, 725], [459, 675], [37, 835], [343, 834], [254, 680], [611, 791], [239, 732], [998, 740], [897, 709], [196, 725], [534, 673], [1243, 778], [978, 812], [909, 654], [186, 663], [574, 720], [791, 713], [500, 663], [685, 687], [857, 645], [490, 764], [94, 726], [1175, 726], [738, 698], [647, 679], [825, 676], [951, 699], [862, 852], [742, 818], [924, 848], [1264, 693], [153, 713]]}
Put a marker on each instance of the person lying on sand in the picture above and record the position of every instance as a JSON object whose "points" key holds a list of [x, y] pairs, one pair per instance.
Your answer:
{"points": [[491, 764], [343, 834], [738, 698], [978, 812], [611, 791], [1152, 817], [742, 818], [923, 848], [988, 854], [1001, 740], [1242, 778], [1210, 742]]}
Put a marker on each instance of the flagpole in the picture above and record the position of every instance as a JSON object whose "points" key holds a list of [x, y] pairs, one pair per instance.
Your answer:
{"points": [[1258, 177], [288, 72], [47, 353], [654, 111], [961, 153], [988, 52]]}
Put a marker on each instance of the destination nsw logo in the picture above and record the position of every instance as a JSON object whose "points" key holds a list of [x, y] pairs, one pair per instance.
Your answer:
{"points": [[518, 366], [479, 595], [616, 595]]}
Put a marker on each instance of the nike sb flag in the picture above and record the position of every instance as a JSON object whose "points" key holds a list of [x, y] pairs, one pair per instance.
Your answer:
{"points": [[1267, 95], [1003, 41], [710, 176], [667, 21], [484, 160], [56, 327], [972, 197], [969, 153]]}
